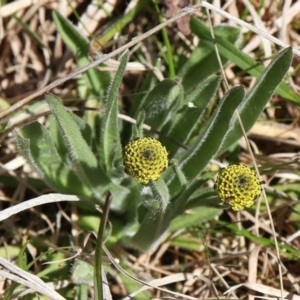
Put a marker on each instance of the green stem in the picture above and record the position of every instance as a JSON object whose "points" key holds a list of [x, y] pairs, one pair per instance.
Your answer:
{"points": [[121, 23], [167, 43], [99, 251]]}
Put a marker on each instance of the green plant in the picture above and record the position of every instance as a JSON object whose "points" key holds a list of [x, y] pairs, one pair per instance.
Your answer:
{"points": [[155, 171], [66, 155]]}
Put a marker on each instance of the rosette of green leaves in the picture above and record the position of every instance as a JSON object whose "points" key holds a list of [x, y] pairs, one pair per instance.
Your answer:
{"points": [[73, 157]]}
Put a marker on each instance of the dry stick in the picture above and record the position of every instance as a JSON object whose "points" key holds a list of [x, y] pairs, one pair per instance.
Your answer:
{"points": [[19, 179], [103, 58], [267, 204], [216, 50], [98, 269]]}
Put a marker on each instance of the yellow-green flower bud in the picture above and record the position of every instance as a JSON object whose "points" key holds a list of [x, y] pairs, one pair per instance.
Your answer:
{"points": [[238, 185], [145, 159]]}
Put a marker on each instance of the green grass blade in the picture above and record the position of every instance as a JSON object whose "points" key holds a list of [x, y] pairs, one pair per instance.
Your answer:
{"points": [[79, 45], [170, 58], [285, 250], [98, 269], [256, 100], [199, 215], [203, 61], [32, 34], [22, 263], [110, 140], [236, 55], [133, 287], [184, 241], [117, 26]]}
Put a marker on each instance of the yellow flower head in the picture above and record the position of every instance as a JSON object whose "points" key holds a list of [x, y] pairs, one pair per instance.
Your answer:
{"points": [[238, 185], [145, 159]]}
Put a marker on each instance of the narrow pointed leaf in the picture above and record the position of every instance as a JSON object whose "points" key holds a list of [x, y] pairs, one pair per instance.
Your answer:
{"points": [[147, 85], [237, 56], [110, 140], [35, 37], [162, 102], [256, 100], [207, 144], [139, 125], [179, 206], [142, 88], [120, 23]]}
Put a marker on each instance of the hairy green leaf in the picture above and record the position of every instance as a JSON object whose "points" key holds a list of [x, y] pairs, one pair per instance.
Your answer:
{"points": [[110, 140], [59, 141], [152, 229], [207, 144], [257, 98], [83, 160], [161, 102], [161, 193], [36, 145], [187, 119], [196, 217]]}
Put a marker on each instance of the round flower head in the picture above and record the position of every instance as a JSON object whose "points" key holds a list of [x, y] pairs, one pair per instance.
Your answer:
{"points": [[238, 185], [145, 159]]}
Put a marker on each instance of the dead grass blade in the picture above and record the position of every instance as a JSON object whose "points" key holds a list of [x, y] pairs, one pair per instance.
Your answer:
{"points": [[264, 289], [50, 198], [27, 279], [171, 279]]}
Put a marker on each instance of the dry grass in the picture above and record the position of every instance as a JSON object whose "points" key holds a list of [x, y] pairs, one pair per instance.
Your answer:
{"points": [[220, 256]]}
